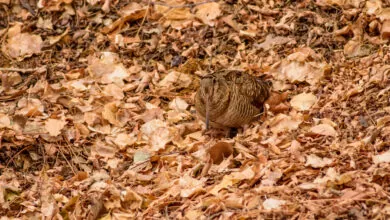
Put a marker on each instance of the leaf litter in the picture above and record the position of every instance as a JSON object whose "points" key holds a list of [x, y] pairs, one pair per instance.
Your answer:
{"points": [[98, 119]]}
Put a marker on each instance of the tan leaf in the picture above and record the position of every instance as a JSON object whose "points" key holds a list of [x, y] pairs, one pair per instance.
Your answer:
{"points": [[303, 101], [107, 68], [21, 45], [190, 186], [174, 78], [284, 122], [113, 91], [324, 129], [382, 158], [178, 104], [123, 140], [177, 13], [208, 12], [5, 121], [159, 138], [53, 5], [355, 48], [317, 162], [271, 203], [271, 40], [373, 7], [30, 107], [110, 113], [299, 67], [54, 126], [101, 149], [55, 39], [225, 183], [140, 156], [193, 214]]}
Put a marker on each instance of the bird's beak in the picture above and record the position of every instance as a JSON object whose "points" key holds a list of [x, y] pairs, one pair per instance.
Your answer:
{"points": [[207, 113]]}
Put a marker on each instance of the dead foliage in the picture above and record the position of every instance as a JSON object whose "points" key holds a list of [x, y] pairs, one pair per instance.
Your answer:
{"points": [[97, 116]]}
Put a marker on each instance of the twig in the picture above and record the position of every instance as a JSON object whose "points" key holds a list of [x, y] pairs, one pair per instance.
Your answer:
{"points": [[12, 158], [143, 20], [182, 6], [23, 70]]}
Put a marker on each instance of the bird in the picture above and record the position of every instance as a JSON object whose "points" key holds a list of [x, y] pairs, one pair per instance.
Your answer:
{"points": [[230, 98]]}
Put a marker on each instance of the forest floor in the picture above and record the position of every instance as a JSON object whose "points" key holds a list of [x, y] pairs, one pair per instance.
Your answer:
{"points": [[97, 118]]}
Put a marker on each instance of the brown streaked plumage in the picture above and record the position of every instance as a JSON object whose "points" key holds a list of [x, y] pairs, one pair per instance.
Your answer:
{"points": [[230, 99]]}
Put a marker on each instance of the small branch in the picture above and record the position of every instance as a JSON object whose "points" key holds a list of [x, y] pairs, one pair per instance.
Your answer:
{"points": [[182, 6], [23, 70], [143, 20]]}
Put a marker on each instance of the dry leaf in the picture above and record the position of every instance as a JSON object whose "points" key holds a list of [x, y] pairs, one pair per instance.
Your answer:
{"points": [[107, 69], [123, 140], [324, 129], [21, 45], [190, 186], [54, 126], [317, 162], [220, 151], [270, 204], [177, 79], [303, 101], [382, 158], [110, 113], [284, 122], [178, 104], [30, 107], [208, 12]]}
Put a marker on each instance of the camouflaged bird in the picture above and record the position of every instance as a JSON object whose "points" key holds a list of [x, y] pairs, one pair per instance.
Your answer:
{"points": [[230, 99]]}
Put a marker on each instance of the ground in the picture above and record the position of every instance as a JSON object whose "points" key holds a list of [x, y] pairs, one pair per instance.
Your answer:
{"points": [[98, 119]]}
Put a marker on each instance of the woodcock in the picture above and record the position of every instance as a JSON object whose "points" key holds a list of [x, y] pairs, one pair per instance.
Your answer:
{"points": [[230, 99]]}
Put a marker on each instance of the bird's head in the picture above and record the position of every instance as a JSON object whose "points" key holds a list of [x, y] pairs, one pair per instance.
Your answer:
{"points": [[207, 86]]}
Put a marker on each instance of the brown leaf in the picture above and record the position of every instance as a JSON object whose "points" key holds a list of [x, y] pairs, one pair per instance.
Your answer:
{"points": [[303, 101], [324, 129], [21, 45], [208, 12], [54, 126], [219, 151]]}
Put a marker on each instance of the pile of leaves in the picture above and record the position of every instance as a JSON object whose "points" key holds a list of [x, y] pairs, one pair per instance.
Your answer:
{"points": [[97, 116]]}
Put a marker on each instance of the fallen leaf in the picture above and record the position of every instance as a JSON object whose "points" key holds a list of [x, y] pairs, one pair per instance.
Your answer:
{"points": [[284, 122], [317, 162], [30, 107], [303, 101], [110, 113], [178, 104], [324, 129], [5, 121], [123, 140], [159, 138], [355, 48], [107, 68], [373, 7], [382, 158], [180, 80], [189, 186], [208, 12], [140, 156], [101, 149], [54, 126], [271, 40], [270, 204], [114, 91], [21, 45], [219, 151]]}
